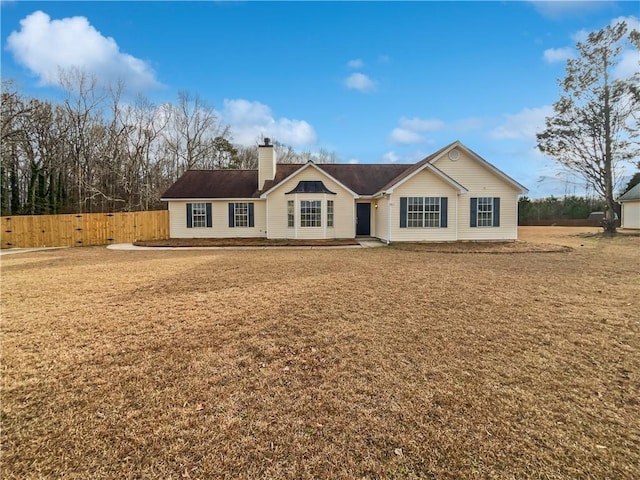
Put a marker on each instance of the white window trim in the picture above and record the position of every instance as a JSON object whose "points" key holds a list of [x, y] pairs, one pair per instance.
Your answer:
{"points": [[200, 216], [490, 211], [236, 215], [312, 206], [333, 214], [423, 213], [293, 213]]}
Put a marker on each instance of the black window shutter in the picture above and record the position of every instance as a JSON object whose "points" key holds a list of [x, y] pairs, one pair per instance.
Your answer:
{"points": [[251, 215], [474, 212], [443, 211], [403, 212], [496, 211], [189, 216], [232, 215], [209, 216]]}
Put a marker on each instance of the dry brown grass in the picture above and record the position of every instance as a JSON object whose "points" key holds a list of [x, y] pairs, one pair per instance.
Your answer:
{"points": [[367, 363]]}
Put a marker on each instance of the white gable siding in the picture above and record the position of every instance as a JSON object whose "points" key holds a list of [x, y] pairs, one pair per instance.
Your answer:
{"points": [[343, 207], [423, 184], [220, 218], [381, 215], [481, 182], [631, 214]]}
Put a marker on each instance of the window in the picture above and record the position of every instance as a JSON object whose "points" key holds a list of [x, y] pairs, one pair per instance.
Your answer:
{"points": [[291, 214], [414, 212], [422, 212], [310, 213], [485, 211], [241, 214], [198, 215], [329, 213]]}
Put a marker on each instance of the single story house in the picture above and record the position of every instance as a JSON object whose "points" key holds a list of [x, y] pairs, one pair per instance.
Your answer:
{"points": [[630, 202], [453, 194]]}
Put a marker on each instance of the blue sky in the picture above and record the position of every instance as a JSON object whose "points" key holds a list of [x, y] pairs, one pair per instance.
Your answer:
{"points": [[373, 81]]}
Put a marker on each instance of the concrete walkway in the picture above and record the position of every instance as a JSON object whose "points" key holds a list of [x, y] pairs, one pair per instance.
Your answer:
{"points": [[371, 243], [13, 251]]}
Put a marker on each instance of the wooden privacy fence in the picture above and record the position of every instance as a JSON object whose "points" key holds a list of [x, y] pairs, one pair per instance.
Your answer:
{"points": [[83, 229]]}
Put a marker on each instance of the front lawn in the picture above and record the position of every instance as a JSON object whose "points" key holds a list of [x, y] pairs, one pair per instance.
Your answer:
{"points": [[342, 364]]}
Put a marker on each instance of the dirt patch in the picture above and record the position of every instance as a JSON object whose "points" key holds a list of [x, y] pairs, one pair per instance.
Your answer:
{"points": [[243, 242], [347, 363], [482, 247]]}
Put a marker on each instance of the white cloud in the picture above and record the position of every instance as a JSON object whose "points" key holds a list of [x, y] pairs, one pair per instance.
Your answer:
{"points": [[523, 125], [579, 36], [249, 120], [628, 64], [353, 161], [421, 124], [557, 10], [410, 130], [633, 23], [359, 81], [45, 46], [628, 58], [355, 63], [555, 55], [391, 157], [405, 136], [384, 59]]}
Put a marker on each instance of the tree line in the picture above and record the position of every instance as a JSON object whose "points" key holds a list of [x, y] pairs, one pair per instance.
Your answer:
{"points": [[95, 152], [569, 207], [554, 208]]}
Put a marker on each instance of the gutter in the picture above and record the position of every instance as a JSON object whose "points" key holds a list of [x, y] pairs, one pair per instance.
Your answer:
{"points": [[389, 219]]}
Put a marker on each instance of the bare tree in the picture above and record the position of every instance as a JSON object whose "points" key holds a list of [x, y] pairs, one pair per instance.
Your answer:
{"points": [[83, 104], [191, 129], [595, 120]]}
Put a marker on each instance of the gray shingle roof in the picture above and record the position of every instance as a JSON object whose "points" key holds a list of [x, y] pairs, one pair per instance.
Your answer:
{"points": [[632, 194], [215, 184], [364, 179]]}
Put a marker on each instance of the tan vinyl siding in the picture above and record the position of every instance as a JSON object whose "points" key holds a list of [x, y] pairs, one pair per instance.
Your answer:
{"points": [[481, 182], [220, 217], [343, 207], [380, 214], [631, 214], [423, 184]]}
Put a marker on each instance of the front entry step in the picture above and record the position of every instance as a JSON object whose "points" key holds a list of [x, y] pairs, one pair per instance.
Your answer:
{"points": [[370, 242]]}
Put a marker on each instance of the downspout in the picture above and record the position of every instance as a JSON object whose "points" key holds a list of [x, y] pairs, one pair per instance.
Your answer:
{"points": [[355, 231], [326, 214], [266, 208], [457, 215], [389, 219], [295, 209], [517, 219]]}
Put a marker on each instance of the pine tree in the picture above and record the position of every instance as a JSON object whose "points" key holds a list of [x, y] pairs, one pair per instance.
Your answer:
{"points": [[595, 120]]}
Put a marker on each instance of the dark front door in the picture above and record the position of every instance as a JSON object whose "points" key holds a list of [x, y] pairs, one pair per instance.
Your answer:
{"points": [[363, 219]]}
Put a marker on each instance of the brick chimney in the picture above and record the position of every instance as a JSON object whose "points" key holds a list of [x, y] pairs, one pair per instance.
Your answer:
{"points": [[266, 163]]}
